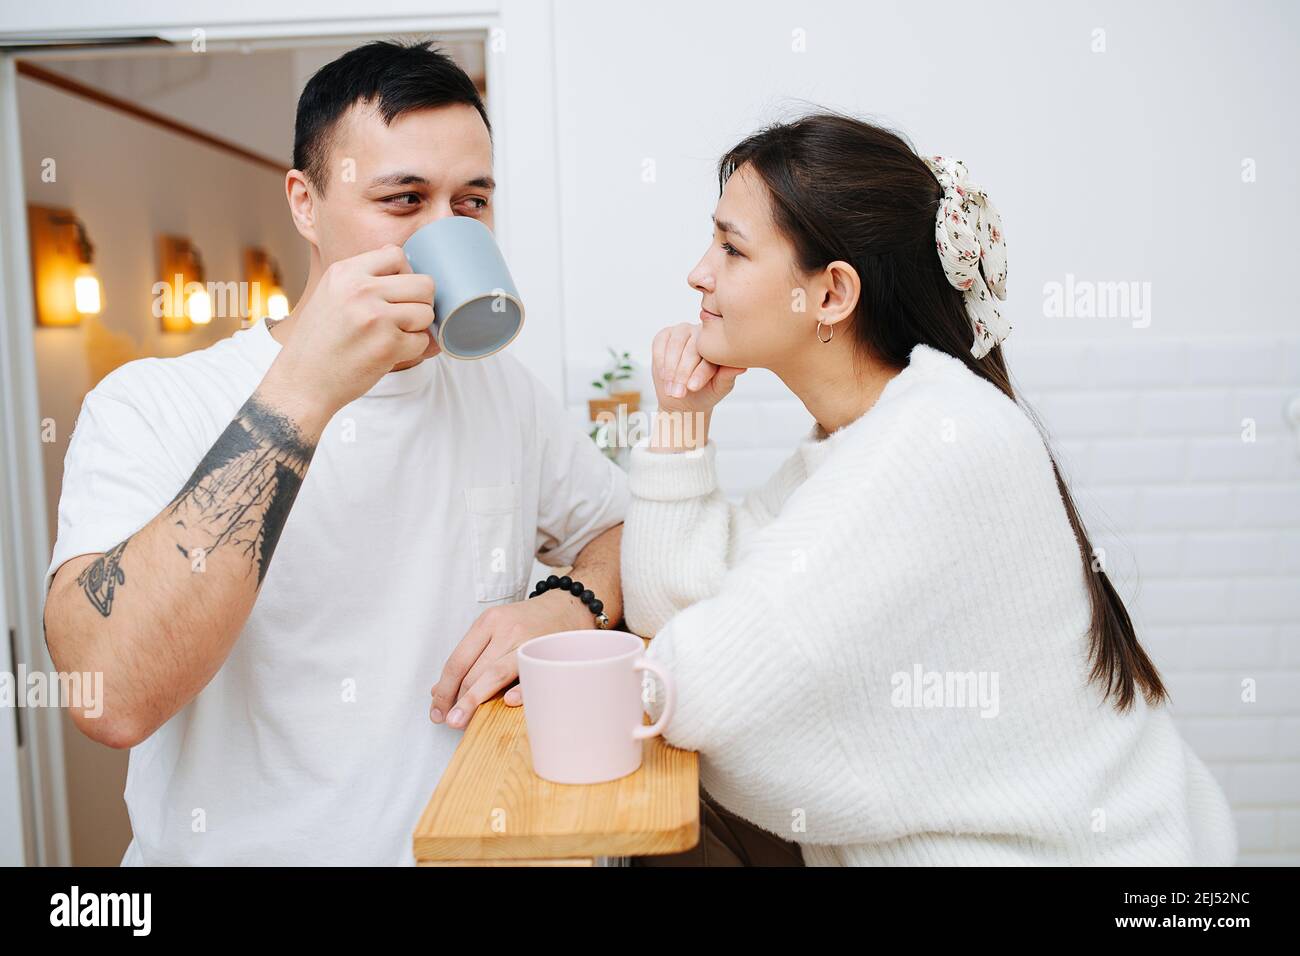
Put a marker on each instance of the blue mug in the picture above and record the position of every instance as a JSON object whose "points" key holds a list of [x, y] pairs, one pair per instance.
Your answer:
{"points": [[476, 307]]}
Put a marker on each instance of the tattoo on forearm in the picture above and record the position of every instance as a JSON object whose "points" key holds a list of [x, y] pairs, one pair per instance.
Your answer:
{"points": [[100, 578], [242, 490], [240, 494]]}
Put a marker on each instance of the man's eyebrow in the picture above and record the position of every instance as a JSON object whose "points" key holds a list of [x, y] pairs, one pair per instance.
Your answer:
{"points": [[413, 179], [728, 227], [399, 179]]}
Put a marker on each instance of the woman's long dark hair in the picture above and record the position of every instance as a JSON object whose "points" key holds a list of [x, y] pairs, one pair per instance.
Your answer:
{"points": [[845, 189]]}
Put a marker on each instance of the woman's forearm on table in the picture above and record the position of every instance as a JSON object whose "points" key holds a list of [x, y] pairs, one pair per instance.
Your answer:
{"points": [[676, 535]]}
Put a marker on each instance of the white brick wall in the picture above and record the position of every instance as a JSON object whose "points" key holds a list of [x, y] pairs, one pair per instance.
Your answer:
{"points": [[1201, 529]]}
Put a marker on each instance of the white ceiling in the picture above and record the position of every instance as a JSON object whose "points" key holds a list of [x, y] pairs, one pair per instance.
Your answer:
{"points": [[246, 95]]}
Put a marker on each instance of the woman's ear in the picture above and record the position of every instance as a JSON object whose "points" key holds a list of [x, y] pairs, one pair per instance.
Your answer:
{"points": [[302, 204], [841, 288]]}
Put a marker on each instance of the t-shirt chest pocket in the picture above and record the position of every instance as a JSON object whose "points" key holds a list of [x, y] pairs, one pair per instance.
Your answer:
{"points": [[496, 539]]}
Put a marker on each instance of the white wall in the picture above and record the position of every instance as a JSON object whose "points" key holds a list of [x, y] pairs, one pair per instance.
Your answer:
{"points": [[1117, 166], [1122, 165]]}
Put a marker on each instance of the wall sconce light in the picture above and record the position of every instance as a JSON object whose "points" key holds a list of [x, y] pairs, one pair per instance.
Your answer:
{"points": [[64, 281], [198, 306], [181, 299], [266, 295], [277, 304]]}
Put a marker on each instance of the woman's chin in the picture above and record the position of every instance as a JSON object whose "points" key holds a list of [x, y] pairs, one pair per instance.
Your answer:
{"points": [[712, 344]]}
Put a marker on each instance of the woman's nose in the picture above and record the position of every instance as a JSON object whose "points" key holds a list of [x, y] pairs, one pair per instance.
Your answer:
{"points": [[700, 278]]}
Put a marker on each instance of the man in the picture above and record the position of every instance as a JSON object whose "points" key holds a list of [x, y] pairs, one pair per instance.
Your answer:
{"points": [[276, 710]]}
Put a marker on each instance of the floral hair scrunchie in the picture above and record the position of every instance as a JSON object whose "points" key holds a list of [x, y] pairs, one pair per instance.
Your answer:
{"points": [[968, 236]]}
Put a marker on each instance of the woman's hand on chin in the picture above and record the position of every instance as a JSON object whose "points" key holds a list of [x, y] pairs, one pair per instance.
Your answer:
{"points": [[685, 382], [687, 387]]}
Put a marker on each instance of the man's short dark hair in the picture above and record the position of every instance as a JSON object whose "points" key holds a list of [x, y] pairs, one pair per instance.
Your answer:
{"points": [[395, 77]]}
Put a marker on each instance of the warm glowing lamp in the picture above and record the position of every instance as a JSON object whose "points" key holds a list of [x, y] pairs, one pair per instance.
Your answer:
{"points": [[86, 292], [198, 306], [266, 295], [85, 287], [181, 299], [277, 305], [63, 273]]}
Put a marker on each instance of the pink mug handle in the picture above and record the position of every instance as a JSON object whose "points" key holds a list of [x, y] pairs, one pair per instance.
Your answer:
{"points": [[642, 732]]}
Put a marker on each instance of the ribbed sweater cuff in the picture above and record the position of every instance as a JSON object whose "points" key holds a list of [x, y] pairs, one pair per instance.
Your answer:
{"points": [[672, 476]]}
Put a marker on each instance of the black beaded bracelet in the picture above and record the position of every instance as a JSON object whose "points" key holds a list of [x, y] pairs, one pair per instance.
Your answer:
{"points": [[566, 583]]}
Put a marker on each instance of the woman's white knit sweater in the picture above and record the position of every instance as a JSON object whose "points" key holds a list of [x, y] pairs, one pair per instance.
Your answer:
{"points": [[882, 653]]}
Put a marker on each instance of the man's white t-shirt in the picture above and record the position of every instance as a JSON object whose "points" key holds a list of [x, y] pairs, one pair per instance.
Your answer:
{"points": [[424, 504]]}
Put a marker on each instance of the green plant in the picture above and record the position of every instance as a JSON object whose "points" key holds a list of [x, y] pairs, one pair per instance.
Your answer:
{"points": [[619, 370]]}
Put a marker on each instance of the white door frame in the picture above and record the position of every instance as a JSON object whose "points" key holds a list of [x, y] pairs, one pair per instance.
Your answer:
{"points": [[24, 545], [519, 64]]}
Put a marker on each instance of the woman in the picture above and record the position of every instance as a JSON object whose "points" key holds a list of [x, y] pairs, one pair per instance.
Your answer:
{"points": [[901, 649]]}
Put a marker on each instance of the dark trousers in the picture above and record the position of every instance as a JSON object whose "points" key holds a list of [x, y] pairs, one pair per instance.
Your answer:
{"points": [[728, 840]]}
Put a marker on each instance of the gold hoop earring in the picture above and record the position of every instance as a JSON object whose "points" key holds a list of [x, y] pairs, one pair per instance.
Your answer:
{"points": [[823, 341]]}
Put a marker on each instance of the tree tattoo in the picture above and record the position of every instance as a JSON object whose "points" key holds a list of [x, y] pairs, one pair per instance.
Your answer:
{"points": [[100, 578], [238, 497], [242, 490]]}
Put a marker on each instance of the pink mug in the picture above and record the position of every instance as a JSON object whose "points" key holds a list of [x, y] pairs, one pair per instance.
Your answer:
{"points": [[582, 704]]}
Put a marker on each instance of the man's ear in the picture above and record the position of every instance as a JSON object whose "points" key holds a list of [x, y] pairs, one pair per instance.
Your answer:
{"points": [[302, 204], [840, 290]]}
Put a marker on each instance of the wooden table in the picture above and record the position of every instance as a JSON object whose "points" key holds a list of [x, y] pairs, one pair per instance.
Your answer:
{"points": [[490, 809]]}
